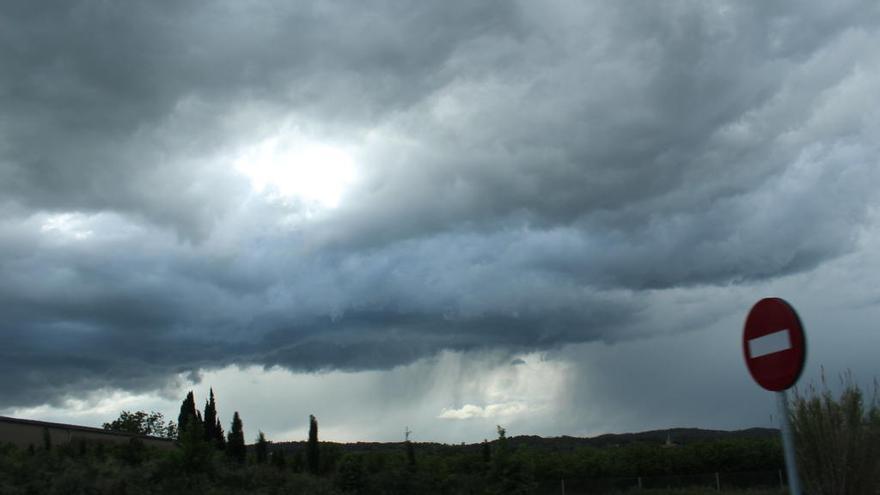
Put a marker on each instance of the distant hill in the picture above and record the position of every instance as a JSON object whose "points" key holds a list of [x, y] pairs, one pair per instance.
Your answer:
{"points": [[678, 436]]}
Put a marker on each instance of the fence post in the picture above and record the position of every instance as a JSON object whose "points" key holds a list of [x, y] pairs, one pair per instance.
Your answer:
{"points": [[717, 482], [781, 484], [640, 482], [563, 485]]}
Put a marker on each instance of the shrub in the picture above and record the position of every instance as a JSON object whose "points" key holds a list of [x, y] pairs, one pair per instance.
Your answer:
{"points": [[837, 440]]}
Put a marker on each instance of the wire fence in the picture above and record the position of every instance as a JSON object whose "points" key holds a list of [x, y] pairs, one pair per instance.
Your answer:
{"points": [[711, 481]]}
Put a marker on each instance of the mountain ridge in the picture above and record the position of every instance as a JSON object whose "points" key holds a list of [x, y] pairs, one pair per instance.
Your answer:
{"points": [[674, 436]]}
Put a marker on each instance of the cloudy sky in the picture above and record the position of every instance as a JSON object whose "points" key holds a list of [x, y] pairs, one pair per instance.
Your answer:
{"points": [[553, 216]]}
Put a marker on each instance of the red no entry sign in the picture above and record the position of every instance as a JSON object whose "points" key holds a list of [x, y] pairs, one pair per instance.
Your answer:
{"points": [[774, 344]]}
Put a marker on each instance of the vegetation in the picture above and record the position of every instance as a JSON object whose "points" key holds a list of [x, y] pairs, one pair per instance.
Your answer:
{"points": [[837, 440], [213, 429], [312, 453], [235, 443], [126, 469], [197, 466], [262, 448], [517, 465], [188, 413], [140, 423]]}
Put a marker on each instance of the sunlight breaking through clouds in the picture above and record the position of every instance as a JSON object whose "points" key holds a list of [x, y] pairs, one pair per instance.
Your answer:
{"points": [[315, 173]]}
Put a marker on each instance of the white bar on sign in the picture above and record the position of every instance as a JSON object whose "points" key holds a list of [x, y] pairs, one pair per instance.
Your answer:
{"points": [[770, 343]]}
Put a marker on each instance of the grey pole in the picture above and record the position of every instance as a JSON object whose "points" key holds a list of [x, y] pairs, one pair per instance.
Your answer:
{"points": [[794, 481]]}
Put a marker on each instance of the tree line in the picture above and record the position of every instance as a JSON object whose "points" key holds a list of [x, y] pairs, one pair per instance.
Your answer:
{"points": [[838, 443], [497, 466], [200, 430]]}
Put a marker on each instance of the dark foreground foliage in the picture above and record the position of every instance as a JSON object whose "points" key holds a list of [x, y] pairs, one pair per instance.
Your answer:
{"points": [[133, 469], [196, 466], [203, 462], [838, 439]]}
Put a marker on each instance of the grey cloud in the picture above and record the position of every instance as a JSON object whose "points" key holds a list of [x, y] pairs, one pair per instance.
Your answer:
{"points": [[141, 306], [550, 175], [700, 379], [688, 107], [108, 107]]}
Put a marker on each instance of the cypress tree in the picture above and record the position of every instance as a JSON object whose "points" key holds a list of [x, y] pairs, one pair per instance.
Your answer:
{"points": [[213, 428], [262, 448], [196, 452], [219, 436], [487, 452], [211, 418], [188, 413], [312, 460], [235, 447]]}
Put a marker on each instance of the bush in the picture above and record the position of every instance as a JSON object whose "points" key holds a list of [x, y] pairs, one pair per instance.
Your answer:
{"points": [[837, 440]]}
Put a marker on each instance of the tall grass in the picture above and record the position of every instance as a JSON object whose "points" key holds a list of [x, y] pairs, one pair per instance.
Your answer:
{"points": [[837, 439]]}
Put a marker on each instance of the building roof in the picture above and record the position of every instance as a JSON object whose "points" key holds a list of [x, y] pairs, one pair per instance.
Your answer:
{"points": [[48, 424]]}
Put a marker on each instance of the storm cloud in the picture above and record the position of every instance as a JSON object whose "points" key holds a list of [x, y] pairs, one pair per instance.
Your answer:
{"points": [[525, 177]]}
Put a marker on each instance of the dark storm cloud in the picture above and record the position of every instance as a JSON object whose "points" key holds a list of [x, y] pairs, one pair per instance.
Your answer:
{"points": [[531, 176], [113, 107], [674, 126]]}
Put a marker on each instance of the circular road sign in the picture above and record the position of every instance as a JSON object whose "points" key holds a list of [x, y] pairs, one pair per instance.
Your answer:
{"points": [[774, 344]]}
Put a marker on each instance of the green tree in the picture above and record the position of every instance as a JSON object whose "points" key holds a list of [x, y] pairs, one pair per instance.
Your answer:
{"points": [[195, 452], [219, 437], [312, 452], [262, 448], [188, 413], [210, 418], [142, 423], [502, 446], [235, 441], [213, 428], [509, 474]]}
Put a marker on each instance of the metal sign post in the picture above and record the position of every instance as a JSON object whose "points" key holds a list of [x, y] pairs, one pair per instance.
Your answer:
{"points": [[775, 348], [794, 481]]}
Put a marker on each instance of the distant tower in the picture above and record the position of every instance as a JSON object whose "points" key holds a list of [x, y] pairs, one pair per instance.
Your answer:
{"points": [[407, 431]]}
